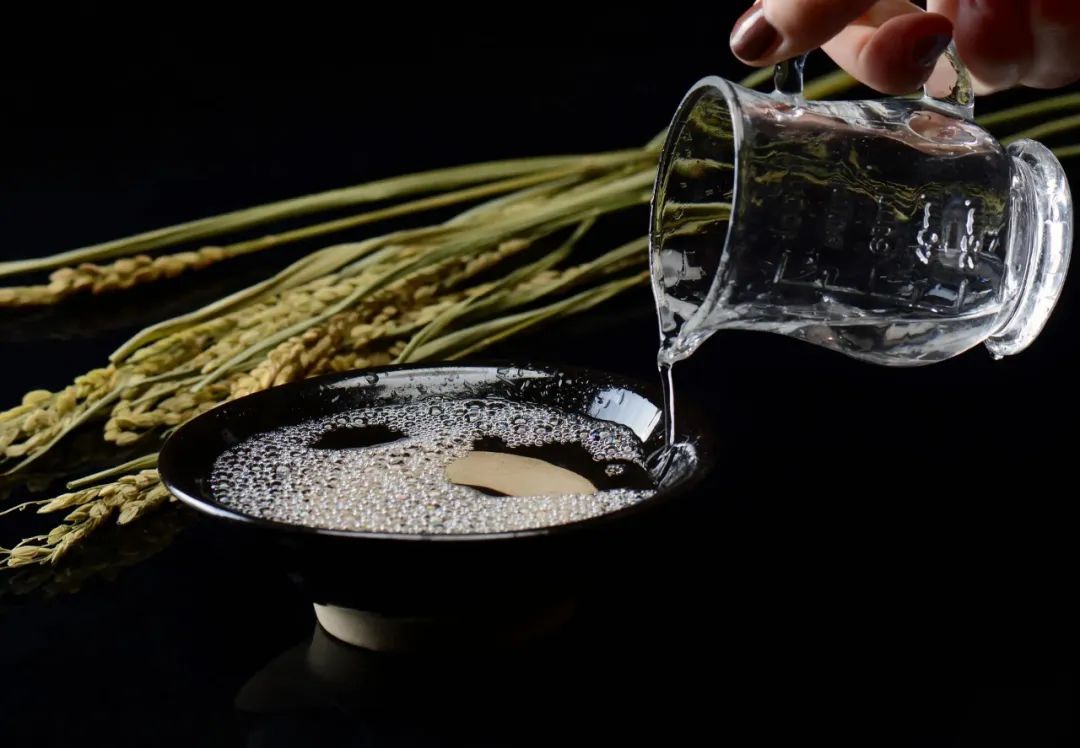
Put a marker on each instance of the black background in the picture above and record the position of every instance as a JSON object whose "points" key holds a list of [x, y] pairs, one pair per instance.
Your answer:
{"points": [[880, 557]]}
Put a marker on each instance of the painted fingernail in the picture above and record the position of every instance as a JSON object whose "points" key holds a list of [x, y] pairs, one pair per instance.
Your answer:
{"points": [[927, 50], [754, 37]]}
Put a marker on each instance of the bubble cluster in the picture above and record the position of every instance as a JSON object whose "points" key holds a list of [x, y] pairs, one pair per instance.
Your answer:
{"points": [[400, 486]]}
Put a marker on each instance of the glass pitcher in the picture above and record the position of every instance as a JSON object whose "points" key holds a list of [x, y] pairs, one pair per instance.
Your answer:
{"points": [[897, 231]]}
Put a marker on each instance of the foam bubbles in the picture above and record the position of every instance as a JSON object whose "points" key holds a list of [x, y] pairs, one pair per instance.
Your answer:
{"points": [[400, 486]]}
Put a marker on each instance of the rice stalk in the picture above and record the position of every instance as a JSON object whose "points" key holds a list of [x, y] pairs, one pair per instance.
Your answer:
{"points": [[39, 424], [1046, 129], [1038, 108], [453, 312], [408, 295], [615, 196], [470, 340], [140, 269], [384, 189]]}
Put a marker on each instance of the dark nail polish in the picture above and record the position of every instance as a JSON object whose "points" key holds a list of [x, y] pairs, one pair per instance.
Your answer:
{"points": [[927, 51], [754, 37]]}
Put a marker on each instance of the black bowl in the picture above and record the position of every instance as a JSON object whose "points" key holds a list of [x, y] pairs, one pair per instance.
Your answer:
{"points": [[493, 577]]}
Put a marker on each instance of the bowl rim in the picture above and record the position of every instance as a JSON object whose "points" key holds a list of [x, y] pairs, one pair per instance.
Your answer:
{"points": [[172, 466]]}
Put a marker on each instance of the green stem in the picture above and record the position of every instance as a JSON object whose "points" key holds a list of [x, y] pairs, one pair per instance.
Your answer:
{"points": [[822, 87], [1068, 151], [832, 84], [385, 189], [397, 211], [632, 253], [558, 213], [139, 463], [1046, 129], [1044, 106], [463, 342], [758, 77], [306, 269], [342, 257], [513, 200], [442, 321]]}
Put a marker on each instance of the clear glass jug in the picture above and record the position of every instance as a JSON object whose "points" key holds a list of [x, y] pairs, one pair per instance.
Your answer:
{"points": [[895, 231]]}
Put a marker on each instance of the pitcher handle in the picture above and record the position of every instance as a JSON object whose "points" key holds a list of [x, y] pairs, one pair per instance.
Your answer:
{"points": [[955, 95]]}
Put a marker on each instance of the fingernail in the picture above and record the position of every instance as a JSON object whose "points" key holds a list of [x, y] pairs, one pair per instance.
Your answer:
{"points": [[927, 50], [754, 37]]}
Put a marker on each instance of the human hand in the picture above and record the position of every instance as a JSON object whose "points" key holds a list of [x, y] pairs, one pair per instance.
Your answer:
{"points": [[894, 45]]}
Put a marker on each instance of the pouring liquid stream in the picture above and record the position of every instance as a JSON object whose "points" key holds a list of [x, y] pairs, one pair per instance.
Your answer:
{"points": [[789, 82]]}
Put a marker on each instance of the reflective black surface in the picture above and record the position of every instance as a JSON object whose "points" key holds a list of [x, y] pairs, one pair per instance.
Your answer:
{"points": [[881, 557]]}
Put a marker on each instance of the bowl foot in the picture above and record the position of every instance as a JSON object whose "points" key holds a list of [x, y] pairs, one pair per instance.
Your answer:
{"points": [[481, 629]]}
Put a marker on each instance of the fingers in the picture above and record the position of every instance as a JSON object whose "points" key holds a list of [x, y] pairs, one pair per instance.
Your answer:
{"points": [[1006, 43], [894, 55], [1055, 27], [776, 30], [893, 46], [994, 39], [890, 45]]}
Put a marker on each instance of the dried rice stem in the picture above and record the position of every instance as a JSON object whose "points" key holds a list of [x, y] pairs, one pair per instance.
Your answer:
{"points": [[120, 275], [140, 269], [132, 496], [132, 420], [395, 187], [98, 559], [44, 417]]}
